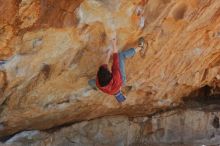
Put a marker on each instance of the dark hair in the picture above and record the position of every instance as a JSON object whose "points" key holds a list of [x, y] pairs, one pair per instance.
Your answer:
{"points": [[104, 76]]}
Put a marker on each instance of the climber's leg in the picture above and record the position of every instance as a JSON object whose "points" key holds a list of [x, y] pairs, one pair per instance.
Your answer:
{"points": [[122, 56], [92, 83], [127, 53]]}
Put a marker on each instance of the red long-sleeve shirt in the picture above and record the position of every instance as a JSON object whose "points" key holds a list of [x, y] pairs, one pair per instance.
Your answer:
{"points": [[116, 82]]}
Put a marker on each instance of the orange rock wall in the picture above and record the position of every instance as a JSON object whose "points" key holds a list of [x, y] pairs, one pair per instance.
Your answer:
{"points": [[50, 49]]}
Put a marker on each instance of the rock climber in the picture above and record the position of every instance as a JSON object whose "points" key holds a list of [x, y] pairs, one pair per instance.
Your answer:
{"points": [[110, 82]]}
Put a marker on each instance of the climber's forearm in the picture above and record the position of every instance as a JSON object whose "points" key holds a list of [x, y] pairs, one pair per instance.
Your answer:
{"points": [[115, 49], [108, 57], [114, 44]]}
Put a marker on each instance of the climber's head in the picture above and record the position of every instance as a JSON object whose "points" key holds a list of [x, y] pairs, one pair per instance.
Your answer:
{"points": [[104, 75]]}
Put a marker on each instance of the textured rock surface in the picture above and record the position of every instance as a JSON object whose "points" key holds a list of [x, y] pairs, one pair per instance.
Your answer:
{"points": [[51, 48], [178, 127]]}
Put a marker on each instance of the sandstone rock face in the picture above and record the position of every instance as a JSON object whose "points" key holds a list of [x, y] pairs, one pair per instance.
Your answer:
{"points": [[50, 49], [178, 127]]}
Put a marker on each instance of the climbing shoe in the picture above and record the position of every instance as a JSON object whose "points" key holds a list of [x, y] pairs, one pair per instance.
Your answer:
{"points": [[120, 97], [143, 45]]}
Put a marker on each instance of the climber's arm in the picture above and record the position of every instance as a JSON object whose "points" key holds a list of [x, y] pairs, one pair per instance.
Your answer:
{"points": [[114, 44], [109, 52], [115, 65]]}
